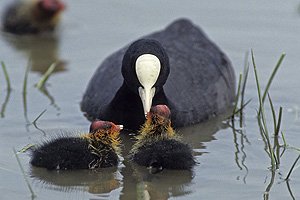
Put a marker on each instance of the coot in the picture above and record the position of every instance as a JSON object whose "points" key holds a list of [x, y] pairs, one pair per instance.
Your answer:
{"points": [[178, 66], [158, 146], [32, 16], [97, 149]]}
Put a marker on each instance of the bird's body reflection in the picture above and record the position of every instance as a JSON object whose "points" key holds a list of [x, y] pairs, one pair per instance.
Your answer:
{"points": [[41, 51], [134, 181], [99, 181]]}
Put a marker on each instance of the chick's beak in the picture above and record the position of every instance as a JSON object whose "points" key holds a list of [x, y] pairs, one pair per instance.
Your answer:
{"points": [[120, 127]]}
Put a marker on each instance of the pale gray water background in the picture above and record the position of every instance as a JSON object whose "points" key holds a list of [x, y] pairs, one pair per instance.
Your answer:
{"points": [[231, 166]]}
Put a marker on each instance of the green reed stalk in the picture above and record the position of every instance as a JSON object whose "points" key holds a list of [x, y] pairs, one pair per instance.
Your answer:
{"points": [[34, 121], [245, 78], [6, 76], [238, 94], [261, 115], [46, 76], [272, 76], [25, 177], [292, 168], [25, 92]]}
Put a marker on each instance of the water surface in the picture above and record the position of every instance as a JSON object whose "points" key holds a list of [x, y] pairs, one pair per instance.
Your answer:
{"points": [[231, 165]]}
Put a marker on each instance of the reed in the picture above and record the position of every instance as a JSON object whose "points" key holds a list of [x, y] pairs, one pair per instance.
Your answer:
{"points": [[37, 118], [45, 77], [238, 95], [24, 93], [272, 76], [33, 195], [245, 78], [239, 104], [273, 149], [6, 76], [292, 168], [262, 117], [34, 123]]}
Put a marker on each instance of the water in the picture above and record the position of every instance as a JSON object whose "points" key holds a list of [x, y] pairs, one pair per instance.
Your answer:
{"points": [[230, 165]]}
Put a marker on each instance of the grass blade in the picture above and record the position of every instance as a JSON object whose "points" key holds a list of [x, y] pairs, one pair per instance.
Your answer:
{"points": [[278, 122], [272, 76], [23, 172], [273, 111], [25, 92], [34, 122], [242, 107], [289, 189], [261, 117], [238, 94], [45, 77], [245, 77], [6, 76], [284, 141], [3, 107], [292, 168]]}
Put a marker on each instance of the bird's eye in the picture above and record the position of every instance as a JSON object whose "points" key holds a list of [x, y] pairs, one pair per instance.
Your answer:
{"points": [[107, 126]]}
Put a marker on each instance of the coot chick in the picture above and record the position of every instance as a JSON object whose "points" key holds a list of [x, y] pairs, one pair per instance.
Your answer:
{"points": [[97, 149], [32, 16], [179, 67], [157, 145]]}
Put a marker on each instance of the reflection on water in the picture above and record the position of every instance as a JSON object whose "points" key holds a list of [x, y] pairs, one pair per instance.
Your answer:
{"points": [[45, 91], [289, 189], [239, 139], [169, 183], [268, 189], [24, 94], [42, 51], [136, 182], [93, 181], [3, 106], [267, 28]]}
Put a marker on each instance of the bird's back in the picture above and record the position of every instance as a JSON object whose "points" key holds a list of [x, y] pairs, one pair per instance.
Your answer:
{"points": [[201, 83]]}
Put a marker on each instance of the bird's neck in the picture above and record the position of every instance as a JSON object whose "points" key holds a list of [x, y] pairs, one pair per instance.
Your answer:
{"points": [[127, 107]]}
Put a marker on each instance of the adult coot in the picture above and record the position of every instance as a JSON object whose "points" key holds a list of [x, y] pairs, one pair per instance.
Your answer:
{"points": [[179, 67], [32, 16]]}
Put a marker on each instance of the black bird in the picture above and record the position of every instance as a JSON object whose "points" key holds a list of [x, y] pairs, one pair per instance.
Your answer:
{"points": [[32, 16], [179, 67], [158, 146], [97, 149]]}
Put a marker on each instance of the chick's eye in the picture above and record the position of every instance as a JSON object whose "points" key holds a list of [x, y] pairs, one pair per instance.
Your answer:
{"points": [[107, 126]]}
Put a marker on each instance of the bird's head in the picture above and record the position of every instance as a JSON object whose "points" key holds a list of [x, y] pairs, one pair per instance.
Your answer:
{"points": [[105, 132]]}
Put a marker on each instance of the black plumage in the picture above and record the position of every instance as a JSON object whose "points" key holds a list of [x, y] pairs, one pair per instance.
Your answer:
{"points": [[97, 149], [72, 153], [32, 16], [158, 146], [200, 85], [165, 154]]}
